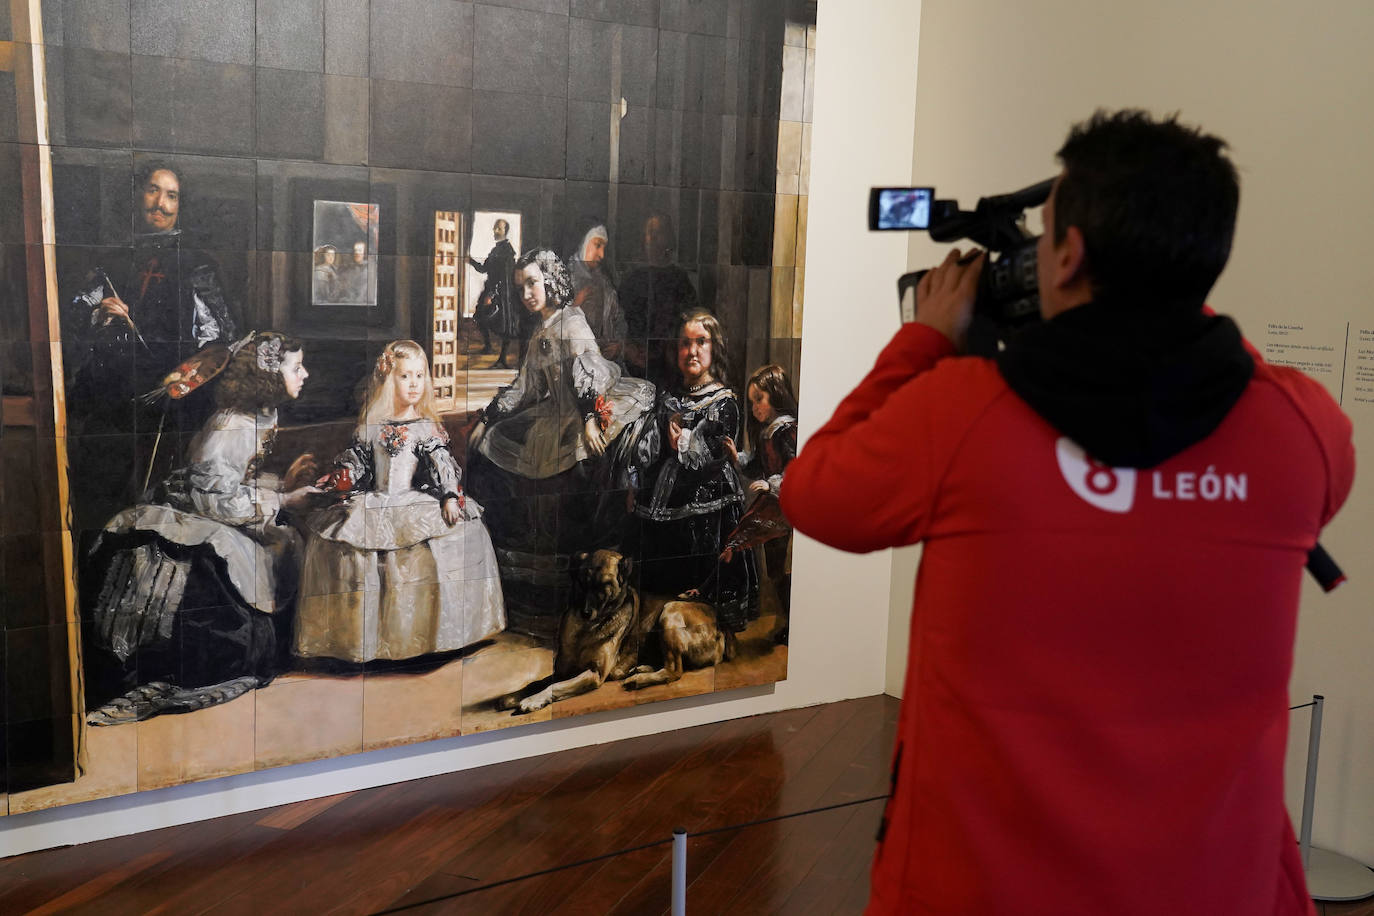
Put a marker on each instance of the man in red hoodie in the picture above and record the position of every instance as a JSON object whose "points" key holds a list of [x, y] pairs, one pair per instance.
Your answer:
{"points": [[1115, 515]]}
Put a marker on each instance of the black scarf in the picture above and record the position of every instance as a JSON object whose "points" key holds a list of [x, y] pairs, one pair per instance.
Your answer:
{"points": [[1133, 384]]}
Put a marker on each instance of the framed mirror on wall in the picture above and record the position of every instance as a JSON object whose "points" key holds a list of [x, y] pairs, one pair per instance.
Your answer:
{"points": [[344, 245]]}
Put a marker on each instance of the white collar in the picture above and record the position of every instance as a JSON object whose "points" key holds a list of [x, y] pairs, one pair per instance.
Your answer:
{"points": [[779, 421]]}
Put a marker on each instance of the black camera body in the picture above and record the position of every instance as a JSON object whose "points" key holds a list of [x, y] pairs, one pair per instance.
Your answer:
{"points": [[1008, 293]]}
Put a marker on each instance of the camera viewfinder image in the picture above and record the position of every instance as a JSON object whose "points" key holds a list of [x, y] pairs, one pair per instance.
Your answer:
{"points": [[904, 208]]}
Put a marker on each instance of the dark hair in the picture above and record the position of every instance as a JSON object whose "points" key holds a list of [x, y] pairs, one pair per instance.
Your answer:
{"points": [[245, 386], [667, 233], [772, 380], [1156, 203], [720, 350], [558, 289], [144, 173]]}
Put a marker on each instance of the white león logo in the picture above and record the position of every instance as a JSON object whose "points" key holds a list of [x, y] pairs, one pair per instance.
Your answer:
{"points": [[1109, 489]]}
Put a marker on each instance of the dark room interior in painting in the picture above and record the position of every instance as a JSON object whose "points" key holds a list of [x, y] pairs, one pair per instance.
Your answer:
{"points": [[233, 538]]}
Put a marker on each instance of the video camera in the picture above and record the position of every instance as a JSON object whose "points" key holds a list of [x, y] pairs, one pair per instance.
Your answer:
{"points": [[1008, 294]]}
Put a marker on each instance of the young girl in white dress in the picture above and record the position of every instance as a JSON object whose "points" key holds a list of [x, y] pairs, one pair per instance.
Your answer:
{"points": [[403, 565]]}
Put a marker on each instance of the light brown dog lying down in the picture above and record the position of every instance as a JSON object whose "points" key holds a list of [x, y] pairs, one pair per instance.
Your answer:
{"points": [[604, 629]]}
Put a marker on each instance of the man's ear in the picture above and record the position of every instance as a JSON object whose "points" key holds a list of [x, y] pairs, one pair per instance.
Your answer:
{"points": [[1071, 258]]}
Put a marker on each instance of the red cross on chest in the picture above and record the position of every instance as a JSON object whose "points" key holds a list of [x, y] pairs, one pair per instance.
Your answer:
{"points": [[149, 274]]}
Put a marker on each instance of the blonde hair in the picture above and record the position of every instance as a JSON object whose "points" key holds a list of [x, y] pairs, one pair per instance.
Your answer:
{"points": [[378, 405]]}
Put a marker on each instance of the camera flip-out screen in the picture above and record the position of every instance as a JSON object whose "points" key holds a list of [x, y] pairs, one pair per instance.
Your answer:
{"points": [[900, 208]]}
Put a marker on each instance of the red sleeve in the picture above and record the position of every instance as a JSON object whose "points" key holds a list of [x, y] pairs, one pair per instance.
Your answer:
{"points": [[867, 479], [1330, 427]]}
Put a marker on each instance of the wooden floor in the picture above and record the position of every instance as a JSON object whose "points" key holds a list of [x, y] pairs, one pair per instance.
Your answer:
{"points": [[391, 846], [394, 846]]}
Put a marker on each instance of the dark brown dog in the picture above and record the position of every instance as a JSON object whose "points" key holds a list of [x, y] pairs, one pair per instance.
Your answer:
{"points": [[604, 628]]}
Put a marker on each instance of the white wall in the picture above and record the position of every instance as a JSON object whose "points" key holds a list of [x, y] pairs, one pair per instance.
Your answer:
{"points": [[1289, 85], [840, 602]]}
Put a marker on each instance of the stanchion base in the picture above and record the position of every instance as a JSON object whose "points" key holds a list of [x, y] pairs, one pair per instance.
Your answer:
{"points": [[1332, 876]]}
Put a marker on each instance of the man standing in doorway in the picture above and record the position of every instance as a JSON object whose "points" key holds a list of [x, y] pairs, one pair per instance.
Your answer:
{"points": [[494, 311]]}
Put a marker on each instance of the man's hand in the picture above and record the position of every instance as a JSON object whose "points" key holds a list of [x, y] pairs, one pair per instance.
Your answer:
{"points": [[112, 308], [944, 297]]}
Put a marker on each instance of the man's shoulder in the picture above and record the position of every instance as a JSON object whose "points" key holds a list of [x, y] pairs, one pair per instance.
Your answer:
{"points": [[962, 366], [1307, 397], [963, 373], [967, 383]]}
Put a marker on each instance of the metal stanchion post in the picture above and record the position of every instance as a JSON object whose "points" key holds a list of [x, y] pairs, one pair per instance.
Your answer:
{"points": [[1330, 875], [1309, 789], [679, 871]]}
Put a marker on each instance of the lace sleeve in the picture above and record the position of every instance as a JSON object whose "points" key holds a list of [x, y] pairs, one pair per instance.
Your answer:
{"points": [[591, 374], [439, 474], [353, 468]]}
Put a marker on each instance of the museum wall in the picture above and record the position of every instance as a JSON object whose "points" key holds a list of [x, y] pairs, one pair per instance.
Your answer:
{"points": [[832, 655], [999, 86]]}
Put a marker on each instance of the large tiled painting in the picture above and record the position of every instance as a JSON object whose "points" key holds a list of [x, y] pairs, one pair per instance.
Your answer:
{"points": [[378, 371]]}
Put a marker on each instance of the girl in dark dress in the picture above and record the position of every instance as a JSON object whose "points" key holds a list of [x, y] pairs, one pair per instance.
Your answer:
{"points": [[771, 440], [692, 497]]}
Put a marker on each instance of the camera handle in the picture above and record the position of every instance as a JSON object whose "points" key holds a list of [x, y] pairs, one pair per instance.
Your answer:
{"points": [[995, 223]]}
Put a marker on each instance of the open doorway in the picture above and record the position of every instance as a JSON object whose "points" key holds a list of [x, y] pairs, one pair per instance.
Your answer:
{"points": [[483, 241]]}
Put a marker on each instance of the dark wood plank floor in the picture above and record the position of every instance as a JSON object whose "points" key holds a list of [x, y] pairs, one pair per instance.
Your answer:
{"points": [[395, 845], [369, 851]]}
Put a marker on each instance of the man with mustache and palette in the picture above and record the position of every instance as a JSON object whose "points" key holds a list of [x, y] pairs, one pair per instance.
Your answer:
{"points": [[138, 315]]}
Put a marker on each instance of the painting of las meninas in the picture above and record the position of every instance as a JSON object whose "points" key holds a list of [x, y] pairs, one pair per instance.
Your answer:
{"points": [[467, 413]]}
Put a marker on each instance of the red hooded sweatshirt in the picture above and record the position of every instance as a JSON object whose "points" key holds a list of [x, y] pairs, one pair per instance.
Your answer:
{"points": [[1095, 708]]}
